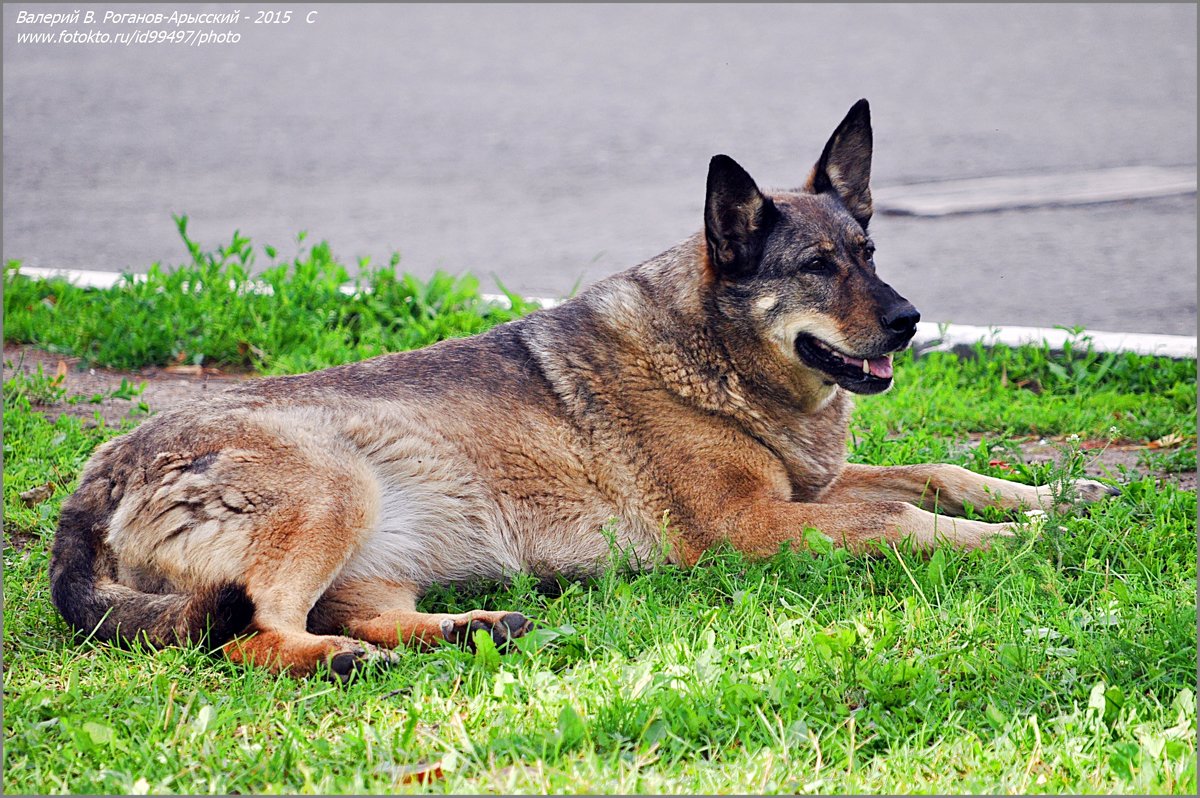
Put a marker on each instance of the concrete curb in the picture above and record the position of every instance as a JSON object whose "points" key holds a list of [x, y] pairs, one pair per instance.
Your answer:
{"points": [[963, 337], [931, 336], [987, 194]]}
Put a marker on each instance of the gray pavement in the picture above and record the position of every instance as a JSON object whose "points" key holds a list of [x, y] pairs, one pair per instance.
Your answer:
{"points": [[551, 145]]}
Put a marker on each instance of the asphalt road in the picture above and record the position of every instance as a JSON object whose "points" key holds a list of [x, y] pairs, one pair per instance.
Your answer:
{"points": [[551, 145]]}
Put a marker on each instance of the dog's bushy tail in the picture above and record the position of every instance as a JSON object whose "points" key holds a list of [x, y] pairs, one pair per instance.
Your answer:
{"points": [[83, 587]]}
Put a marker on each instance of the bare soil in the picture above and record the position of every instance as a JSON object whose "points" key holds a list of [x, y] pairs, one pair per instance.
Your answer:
{"points": [[164, 387], [1104, 459], [173, 386]]}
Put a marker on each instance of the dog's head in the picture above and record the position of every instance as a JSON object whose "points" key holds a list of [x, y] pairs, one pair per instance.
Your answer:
{"points": [[800, 265]]}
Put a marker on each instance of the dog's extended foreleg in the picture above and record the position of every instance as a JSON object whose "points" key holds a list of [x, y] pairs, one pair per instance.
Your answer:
{"points": [[761, 527], [947, 488]]}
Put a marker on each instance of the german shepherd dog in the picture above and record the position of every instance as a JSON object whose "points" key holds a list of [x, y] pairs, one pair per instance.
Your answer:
{"points": [[700, 397]]}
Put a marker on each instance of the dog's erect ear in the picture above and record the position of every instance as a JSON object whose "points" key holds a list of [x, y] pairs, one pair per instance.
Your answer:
{"points": [[737, 218], [845, 165]]}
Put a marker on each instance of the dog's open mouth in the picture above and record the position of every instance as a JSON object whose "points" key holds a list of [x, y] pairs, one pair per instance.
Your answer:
{"points": [[860, 375]]}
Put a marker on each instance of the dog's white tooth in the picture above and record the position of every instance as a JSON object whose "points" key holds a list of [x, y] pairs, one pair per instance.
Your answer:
{"points": [[866, 366]]}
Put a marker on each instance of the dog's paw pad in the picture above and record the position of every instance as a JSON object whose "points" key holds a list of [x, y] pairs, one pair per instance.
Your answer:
{"points": [[516, 624], [503, 629], [343, 664]]}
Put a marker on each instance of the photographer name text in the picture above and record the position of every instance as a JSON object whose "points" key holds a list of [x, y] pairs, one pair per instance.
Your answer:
{"points": [[187, 28]]}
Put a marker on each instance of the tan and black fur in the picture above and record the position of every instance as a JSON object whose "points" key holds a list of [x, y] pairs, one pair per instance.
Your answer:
{"points": [[297, 520]]}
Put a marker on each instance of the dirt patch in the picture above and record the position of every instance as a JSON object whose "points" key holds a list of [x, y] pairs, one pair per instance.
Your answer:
{"points": [[18, 539], [1102, 459], [165, 387]]}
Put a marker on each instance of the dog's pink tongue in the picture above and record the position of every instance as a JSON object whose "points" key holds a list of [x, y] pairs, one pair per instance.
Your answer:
{"points": [[881, 367]]}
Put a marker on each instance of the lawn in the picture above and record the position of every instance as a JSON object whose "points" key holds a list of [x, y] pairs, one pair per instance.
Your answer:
{"points": [[1062, 661]]}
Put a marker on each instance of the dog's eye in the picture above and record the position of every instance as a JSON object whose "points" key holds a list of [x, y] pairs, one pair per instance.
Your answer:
{"points": [[869, 251], [815, 265]]}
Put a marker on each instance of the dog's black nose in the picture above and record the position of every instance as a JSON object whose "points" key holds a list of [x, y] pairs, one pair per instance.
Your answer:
{"points": [[901, 318]]}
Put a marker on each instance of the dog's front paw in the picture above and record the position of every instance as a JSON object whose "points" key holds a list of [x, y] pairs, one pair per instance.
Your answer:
{"points": [[1080, 491], [1089, 490]]}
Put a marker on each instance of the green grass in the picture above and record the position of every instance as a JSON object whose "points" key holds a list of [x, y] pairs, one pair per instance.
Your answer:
{"points": [[1063, 661], [1029, 391], [213, 311]]}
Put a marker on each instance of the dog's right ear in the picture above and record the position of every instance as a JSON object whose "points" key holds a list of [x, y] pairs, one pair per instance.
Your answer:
{"points": [[737, 218]]}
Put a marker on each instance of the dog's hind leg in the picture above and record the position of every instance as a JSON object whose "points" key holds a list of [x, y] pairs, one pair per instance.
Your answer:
{"points": [[267, 504], [385, 613], [289, 574], [303, 518], [946, 488]]}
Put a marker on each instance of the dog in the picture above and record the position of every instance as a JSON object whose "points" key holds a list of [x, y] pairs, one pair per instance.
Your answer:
{"points": [[699, 398]]}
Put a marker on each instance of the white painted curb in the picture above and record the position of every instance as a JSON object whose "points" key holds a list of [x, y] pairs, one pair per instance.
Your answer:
{"points": [[978, 195], [955, 337], [930, 336]]}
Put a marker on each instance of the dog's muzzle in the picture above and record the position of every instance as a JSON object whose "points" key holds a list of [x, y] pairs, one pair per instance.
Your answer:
{"points": [[865, 375]]}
